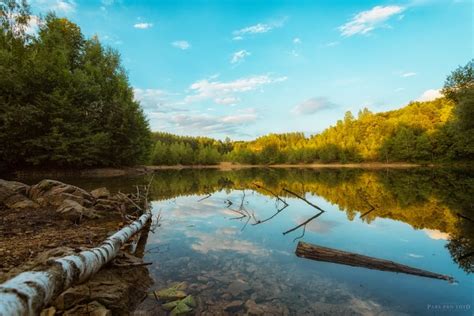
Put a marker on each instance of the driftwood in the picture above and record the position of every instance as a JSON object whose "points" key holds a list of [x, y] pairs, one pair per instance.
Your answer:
{"points": [[318, 253], [29, 292]]}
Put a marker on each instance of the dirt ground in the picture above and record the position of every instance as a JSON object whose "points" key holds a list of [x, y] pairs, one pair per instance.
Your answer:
{"points": [[24, 233]]}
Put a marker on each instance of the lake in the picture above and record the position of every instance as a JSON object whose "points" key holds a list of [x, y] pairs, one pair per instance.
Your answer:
{"points": [[222, 232]]}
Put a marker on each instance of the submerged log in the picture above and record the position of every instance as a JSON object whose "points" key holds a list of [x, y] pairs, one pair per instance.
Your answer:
{"points": [[29, 292], [318, 253]]}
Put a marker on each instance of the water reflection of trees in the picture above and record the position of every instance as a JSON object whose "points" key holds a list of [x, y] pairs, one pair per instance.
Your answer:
{"points": [[434, 199]]}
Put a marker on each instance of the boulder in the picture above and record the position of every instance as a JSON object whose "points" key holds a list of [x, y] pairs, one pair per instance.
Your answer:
{"points": [[47, 190], [100, 193], [14, 186], [12, 195], [54, 193], [74, 211]]}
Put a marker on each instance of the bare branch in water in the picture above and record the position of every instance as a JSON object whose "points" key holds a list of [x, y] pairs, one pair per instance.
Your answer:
{"points": [[304, 223], [302, 198], [269, 218], [271, 192], [206, 197]]}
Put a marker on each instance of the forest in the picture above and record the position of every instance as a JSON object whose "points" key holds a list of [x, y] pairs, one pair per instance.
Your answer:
{"points": [[428, 132], [66, 102]]}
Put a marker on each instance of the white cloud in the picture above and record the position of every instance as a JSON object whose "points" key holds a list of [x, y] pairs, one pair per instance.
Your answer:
{"points": [[414, 255], [430, 95], [313, 105], [150, 98], [219, 91], [258, 28], [366, 21], [239, 56], [436, 234], [297, 40], [143, 25], [223, 239], [408, 74], [331, 44], [199, 124], [60, 6], [181, 44]]}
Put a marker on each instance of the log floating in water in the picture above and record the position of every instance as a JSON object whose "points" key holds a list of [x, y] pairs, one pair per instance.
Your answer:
{"points": [[319, 253]]}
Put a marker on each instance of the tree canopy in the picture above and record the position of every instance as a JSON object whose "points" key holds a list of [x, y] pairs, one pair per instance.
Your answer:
{"points": [[65, 101]]}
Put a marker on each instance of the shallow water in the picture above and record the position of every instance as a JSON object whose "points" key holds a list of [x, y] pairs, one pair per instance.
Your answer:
{"points": [[223, 236]]}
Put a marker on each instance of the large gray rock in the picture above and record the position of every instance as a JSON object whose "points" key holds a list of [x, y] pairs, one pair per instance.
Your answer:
{"points": [[74, 211], [100, 193], [14, 186], [12, 195], [53, 193]]}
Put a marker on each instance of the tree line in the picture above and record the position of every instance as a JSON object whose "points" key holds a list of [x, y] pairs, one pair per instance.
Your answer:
{"points": [[65, 100], [434, 131]]}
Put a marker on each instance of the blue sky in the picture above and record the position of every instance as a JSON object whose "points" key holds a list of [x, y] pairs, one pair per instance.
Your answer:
{"points": [[247, 68]]}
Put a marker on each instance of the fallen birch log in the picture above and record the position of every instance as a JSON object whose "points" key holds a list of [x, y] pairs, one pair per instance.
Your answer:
{"points": [[319, 253], [29, 292]]}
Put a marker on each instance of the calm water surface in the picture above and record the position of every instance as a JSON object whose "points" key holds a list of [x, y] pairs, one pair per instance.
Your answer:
{"points": [[223, 235]]}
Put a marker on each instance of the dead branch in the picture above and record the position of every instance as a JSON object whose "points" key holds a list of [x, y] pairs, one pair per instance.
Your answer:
{"points": [[302, 198], [304, 223], [206, 197], [271, 192]]}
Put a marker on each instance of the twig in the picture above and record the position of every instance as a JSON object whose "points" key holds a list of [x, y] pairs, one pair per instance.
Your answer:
{"points": [[302, 198], [206, 197], [464, 217], [304, 223], [271, 192], [269, 218], [130, 265]]}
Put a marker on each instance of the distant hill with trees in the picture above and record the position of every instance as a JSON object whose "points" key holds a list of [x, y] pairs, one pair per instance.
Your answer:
{"points": [[428, 132], [65, 101]]}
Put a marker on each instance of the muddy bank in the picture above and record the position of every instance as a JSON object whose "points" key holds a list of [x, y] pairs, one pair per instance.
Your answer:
{"points": [[92, 172], [51, 219]]}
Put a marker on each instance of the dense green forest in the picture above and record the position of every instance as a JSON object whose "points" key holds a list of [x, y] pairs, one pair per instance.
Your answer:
{"points": [[65, 101], [435, 131]]}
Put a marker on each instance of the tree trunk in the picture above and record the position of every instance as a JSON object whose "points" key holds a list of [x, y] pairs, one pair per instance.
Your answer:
{"points": [[319, 253], [29, 292]]}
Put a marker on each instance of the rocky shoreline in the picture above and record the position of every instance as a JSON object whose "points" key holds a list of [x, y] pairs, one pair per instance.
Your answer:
{"points": [[52, 219]]}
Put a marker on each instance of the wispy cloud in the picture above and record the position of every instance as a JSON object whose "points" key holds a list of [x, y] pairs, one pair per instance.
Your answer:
{"points": [[224, 239], [408, 74], [206, 124], [220, 91], [331, 44], [430, 95], [60, 6], [181, 44], [143, 25], [366, 21], [313, 105], [239, 56], [297, 40], [150, 98], [258, 28]]}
